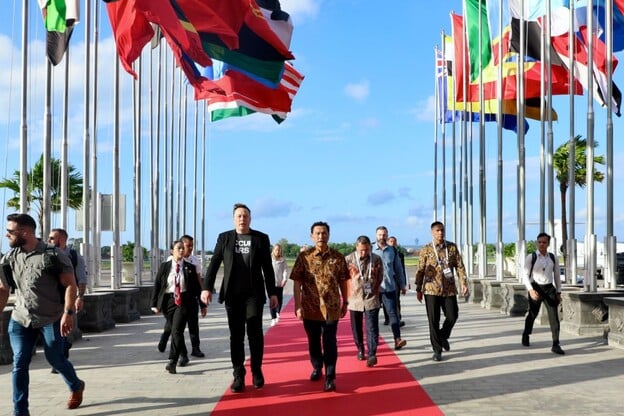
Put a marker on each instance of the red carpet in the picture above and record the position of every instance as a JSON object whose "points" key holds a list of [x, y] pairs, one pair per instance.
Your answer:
{"points": [[386, 389]]}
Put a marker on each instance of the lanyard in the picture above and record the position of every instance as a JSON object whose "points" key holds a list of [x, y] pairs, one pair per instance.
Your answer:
{"points": [[435, 250], [369, 266]]}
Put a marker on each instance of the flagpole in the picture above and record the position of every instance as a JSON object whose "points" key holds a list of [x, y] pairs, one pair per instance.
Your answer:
{"points": [[499, 132], [590, 237], [86, 200], [482, 160], [203, 196], [182, 160], [116, 252], [195, 148], [24, 206], [571, 243], [166, 127], [169, 220], [542, 158], [96, 221], [435, 135], [138, 250], [64, 140], [521, 178], [549, 131], [47, 152], [611, 243], [154, 161]]}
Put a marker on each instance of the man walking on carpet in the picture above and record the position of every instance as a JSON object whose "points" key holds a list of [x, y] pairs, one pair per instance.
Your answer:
{"points": [[321, 278]]}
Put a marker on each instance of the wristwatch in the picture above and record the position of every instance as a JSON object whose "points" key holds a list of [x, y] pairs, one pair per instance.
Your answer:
{"points": [[69, 312]]}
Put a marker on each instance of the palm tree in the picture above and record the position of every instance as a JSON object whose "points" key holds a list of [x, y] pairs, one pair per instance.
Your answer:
{"points": [[35, 193], [561, 165]]}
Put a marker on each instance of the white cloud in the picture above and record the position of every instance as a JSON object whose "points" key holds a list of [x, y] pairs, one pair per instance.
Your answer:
{"points": [[300, 10], [425, 110], [358, 92]]}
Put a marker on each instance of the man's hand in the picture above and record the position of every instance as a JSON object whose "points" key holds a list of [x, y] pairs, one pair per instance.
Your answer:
{"points": [[534, 295], [464, 290], [273, 302], [403, 291], [419, 296], [79, 304], [343, 309], [203, 312], [155, 310], [299, 313], [67, 324], [206, 296]]}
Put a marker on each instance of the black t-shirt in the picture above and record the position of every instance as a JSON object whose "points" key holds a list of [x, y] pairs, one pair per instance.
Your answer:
{"points": [[241, 284]]}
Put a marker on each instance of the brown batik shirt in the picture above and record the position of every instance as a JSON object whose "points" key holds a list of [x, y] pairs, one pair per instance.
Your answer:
{"points": [[430, 273], [319, 274]]}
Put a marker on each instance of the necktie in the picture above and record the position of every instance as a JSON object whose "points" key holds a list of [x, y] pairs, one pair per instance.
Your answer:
{"points": [[176, 292]]}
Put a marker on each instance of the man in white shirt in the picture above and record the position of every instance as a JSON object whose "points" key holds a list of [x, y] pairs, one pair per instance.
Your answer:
{"points": [[541, 279]]}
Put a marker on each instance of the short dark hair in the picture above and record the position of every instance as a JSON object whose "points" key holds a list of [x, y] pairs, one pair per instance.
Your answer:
{"points": [[437, 224], [23, 220], [61, 231], [381, 227], [174, 243], [319, 224], [186, 237], [542, 234], [363, 240], [240, 205]]}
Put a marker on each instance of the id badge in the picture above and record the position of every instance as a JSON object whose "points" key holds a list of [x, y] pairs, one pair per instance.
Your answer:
{"points": [[368, 288], [448, 273]]}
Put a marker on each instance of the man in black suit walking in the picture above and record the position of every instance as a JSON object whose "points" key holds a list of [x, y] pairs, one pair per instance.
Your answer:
{"points": [[247, 278]]}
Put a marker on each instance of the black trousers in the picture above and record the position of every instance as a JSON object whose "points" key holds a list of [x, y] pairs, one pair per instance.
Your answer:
{"points": [[549, 298], [193, 328], [245, 313], [322, 345], [448, 306], [177, 317], [279, 292]]}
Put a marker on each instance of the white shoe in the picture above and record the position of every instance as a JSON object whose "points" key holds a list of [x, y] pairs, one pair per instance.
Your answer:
{"points": [[273, 322], [277, 319]]}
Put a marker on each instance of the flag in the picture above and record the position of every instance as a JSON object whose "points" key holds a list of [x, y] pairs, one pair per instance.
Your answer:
{"points": [[478, 36], [560, 31], [600, 15], [243, 102], [450, 111], [260, 50], [60, 17]]}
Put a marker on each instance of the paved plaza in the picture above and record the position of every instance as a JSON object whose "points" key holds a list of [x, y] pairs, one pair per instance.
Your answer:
{"points": [[487, 371]]}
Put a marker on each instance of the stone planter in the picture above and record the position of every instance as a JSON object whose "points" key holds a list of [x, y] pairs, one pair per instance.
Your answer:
{"points": [[476, 290], [515, 300], [126, 305], [98, 312], [144, 299], [492, 294], [616, 321], [585, 313]]}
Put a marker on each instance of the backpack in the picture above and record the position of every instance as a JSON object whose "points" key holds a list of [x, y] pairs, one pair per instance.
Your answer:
{"points": [[534, 259]]}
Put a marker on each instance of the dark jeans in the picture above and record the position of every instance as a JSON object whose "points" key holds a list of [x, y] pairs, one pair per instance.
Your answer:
{"points": [[398, 303], [279, 292], [448, 306], [322, 345], [388, 299], [23, 343], [241, 314], [372, 330], [549, 297]]}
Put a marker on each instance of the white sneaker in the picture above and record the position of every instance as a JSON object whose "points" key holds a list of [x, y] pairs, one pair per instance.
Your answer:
{"points": [[273, 322], [277, 318]]}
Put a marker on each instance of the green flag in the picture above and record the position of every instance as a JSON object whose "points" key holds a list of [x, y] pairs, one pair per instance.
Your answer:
{"points": [[59, 17], [479, 41]]}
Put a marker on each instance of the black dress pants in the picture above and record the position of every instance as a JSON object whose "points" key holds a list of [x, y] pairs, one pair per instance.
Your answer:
{"points": [[176, 319], [322, 345], [448, 306], [548, 296], [245, 313]]}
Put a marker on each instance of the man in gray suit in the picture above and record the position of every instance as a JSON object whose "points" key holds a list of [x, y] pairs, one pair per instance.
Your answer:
{"points": [[247, 278]]}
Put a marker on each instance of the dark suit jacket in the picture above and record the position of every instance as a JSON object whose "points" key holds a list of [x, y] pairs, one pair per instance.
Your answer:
{"points": [[160, 283], [262, 275]]}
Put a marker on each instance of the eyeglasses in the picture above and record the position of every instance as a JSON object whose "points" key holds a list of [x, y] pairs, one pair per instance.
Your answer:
{"points": [[13, 232]]}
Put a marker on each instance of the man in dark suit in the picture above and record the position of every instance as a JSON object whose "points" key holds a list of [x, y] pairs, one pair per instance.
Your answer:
{"points": [[247, 277]]}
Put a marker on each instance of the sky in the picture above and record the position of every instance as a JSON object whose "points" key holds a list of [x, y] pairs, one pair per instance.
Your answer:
{"points": [[356, 151]]}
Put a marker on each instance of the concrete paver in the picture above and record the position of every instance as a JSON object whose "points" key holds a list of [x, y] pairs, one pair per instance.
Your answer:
{"points": [[487, 371]]}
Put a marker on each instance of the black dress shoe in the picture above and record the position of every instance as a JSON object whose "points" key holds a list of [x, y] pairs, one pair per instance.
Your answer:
{"points": [[171, 367], [238, 385], [258, 380], [557, 350], [53, 371], [371, 362], [437, 356], [525, 341], [315, 375], [360, 355], [184, 360], [330, 385], [197, 353], [446, 345]]}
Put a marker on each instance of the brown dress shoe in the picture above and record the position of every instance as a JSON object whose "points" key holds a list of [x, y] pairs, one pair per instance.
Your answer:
{"points": [[75, 397]]}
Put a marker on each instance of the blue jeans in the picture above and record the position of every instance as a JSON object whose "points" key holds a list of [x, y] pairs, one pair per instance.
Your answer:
{"points": [[389, 300], [23, 343], [372, 330]]}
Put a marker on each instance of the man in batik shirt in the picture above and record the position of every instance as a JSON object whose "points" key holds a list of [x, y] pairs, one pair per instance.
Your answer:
{"points": [[320, 289]]}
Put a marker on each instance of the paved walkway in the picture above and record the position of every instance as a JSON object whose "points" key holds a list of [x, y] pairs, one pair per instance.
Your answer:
{"points": [[487, 371]]}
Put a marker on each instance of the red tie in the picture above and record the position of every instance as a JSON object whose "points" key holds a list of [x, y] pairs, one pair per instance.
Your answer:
{"points": [[177, 298]]}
